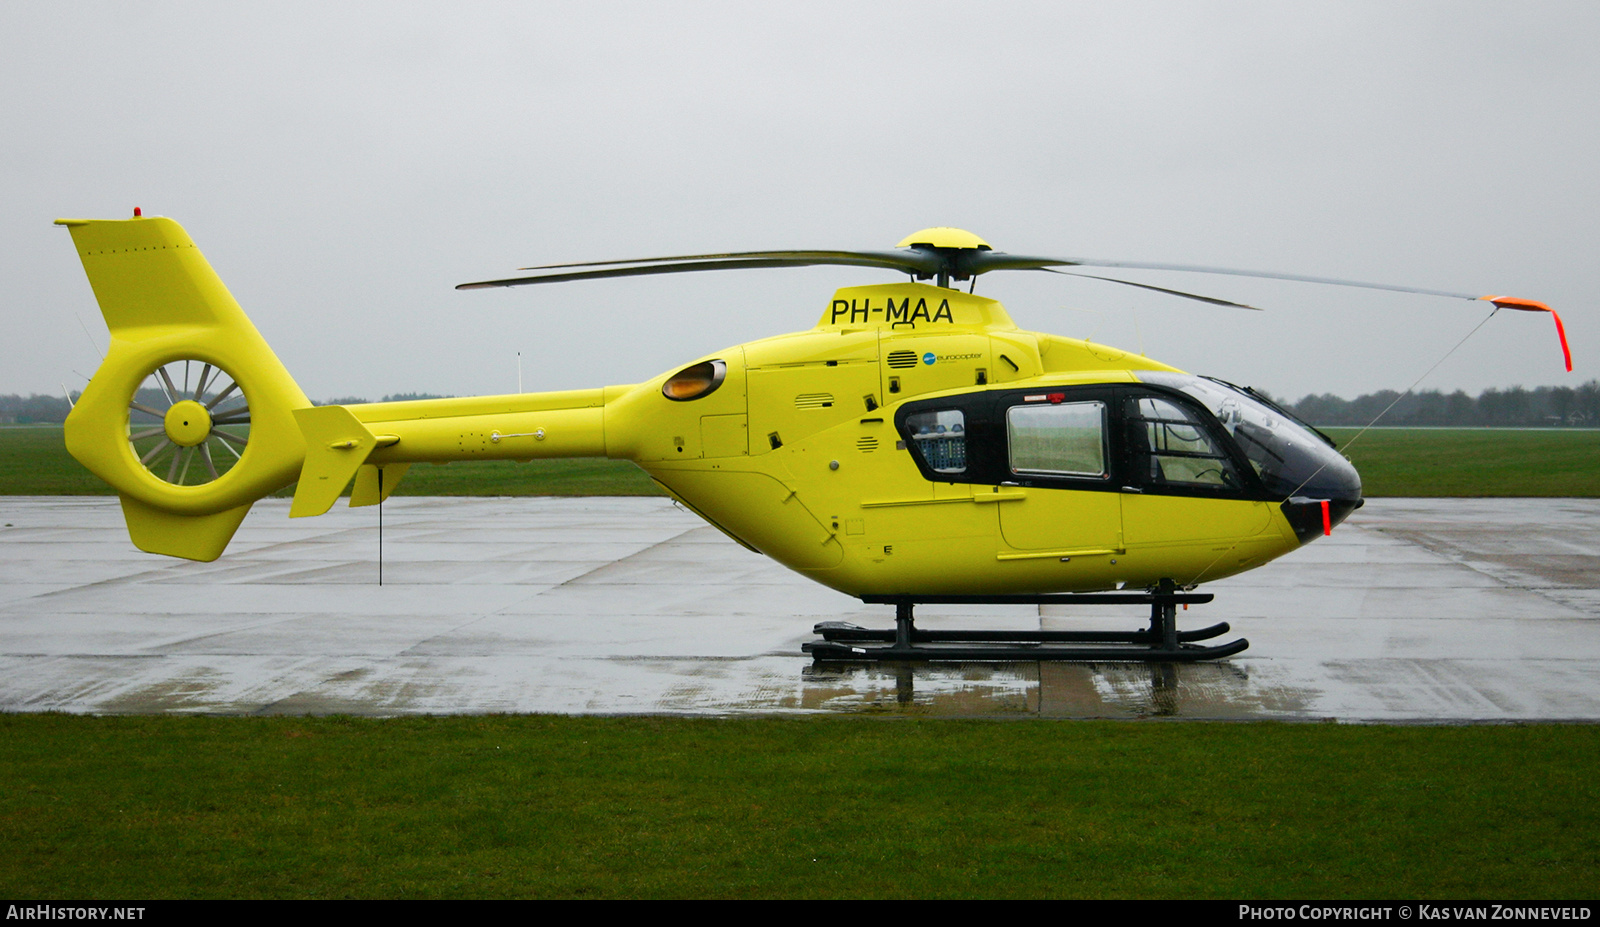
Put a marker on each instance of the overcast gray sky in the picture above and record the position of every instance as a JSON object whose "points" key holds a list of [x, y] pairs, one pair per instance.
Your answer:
{"points": [[344, 165]]}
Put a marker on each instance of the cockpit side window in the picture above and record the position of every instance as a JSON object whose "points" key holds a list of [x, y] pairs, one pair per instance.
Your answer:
{"points": [[940, 439], [1171, 448]]}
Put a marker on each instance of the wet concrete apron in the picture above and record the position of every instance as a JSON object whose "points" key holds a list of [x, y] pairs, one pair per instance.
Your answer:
{"points": [[1415, 610]]}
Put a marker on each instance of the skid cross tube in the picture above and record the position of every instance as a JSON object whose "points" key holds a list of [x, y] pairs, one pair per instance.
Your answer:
{"points": [[1161, 642]]}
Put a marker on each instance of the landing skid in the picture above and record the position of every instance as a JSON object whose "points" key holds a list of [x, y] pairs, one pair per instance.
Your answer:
{"points": [[1162, 642]]}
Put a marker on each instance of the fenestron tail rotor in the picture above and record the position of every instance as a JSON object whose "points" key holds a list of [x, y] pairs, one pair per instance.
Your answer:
{"points": [[188, 422]]}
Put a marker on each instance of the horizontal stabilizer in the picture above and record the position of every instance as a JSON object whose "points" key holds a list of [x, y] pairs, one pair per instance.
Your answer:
{"points": [[337, 444]]}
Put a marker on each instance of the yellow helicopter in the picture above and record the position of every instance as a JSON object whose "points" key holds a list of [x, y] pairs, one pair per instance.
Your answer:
{"points": [[915, 446]]}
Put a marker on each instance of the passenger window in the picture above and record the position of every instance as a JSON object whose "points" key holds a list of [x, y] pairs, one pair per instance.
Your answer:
{"points": [[1064, 439], [941, 439], [1176, 448]]}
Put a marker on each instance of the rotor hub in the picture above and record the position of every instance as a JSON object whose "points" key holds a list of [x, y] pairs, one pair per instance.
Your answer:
{"points": [[944, 237], [187, 423]]}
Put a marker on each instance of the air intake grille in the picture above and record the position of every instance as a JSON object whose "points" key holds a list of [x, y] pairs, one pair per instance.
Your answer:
{"points": [[867, 444], [813, 401], [902, 359]]}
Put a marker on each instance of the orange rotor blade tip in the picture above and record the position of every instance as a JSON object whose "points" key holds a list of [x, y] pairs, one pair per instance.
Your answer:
{"points": [[1529, 305], [1513, 302], [1561, 331]]}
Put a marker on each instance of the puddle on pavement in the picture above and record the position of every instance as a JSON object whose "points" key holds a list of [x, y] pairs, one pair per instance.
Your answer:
{"points": [[1222, 690]]}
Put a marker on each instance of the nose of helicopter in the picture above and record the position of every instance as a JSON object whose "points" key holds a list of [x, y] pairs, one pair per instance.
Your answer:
{"points": [[1318, 487], [1299, 467], [1326, 496]]}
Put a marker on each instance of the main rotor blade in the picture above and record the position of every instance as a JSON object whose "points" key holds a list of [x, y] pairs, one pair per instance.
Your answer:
{"points": [[909, 262], [906, 258], [925, 262], [991, 260], [1159, 289]]}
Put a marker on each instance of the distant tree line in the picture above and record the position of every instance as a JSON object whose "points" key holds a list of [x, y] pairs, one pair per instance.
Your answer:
{"points": [[1514, 407], [35, 408], [392, 397]]}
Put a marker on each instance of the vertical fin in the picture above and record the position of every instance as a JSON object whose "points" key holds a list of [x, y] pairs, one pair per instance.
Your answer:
{"points": [[365, 491]]}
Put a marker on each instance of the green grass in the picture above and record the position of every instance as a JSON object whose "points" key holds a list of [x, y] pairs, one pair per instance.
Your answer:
{"points": [[807, 808], [580, 476], [1474, 461], [35, 462], [1392, 462]]}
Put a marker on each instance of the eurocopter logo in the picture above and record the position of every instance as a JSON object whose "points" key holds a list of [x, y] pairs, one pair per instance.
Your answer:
{"points": [[896, 315], [931, 358]]}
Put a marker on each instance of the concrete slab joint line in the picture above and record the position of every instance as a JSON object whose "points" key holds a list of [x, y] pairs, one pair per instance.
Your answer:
{"points": [[1415, 610], [635, 554]]}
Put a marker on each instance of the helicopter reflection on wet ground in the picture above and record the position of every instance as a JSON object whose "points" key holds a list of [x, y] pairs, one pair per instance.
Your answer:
{"points": [[1414, 610], [1047, 690]]}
